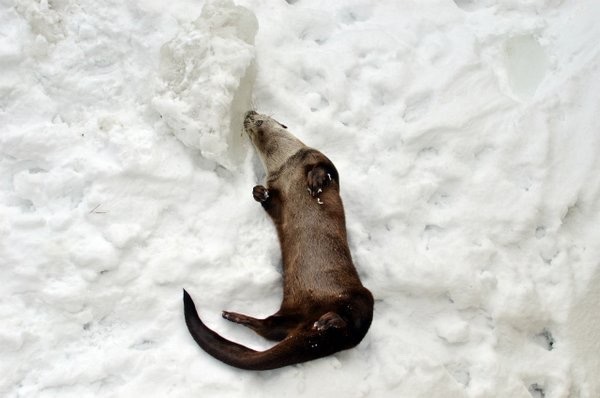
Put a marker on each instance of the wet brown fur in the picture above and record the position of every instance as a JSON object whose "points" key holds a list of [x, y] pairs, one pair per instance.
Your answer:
{"points": [[325, 307]]}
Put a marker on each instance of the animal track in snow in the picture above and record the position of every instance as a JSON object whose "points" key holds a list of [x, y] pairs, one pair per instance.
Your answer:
{"points": [[316, 101], [353, 14], [545, 339], [432, 232], [427, 154], [540, 232], [537, 391]]}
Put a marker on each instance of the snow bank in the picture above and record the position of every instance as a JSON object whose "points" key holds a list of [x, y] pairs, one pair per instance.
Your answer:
{"points": [[466, 137]]}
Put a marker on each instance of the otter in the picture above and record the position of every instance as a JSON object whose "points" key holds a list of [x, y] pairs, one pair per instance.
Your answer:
{"points": [[325, 307]]}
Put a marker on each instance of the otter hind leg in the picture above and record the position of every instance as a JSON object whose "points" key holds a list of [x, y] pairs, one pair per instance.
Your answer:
{"points": [[275, 327]]}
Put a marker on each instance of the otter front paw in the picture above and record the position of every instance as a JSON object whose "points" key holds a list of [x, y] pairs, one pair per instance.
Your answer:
{"points": [[260, 193], [317, 179]]}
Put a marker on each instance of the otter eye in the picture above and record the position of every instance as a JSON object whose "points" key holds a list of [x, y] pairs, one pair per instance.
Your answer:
{"points": [[283, 125], [258, 123]]}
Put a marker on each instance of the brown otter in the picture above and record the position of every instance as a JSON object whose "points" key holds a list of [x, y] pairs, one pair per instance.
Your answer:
{"points": [[325, 307]]}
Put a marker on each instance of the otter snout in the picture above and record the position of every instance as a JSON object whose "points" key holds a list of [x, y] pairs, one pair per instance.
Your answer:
{"points": [[250, 113], [248, 119]]}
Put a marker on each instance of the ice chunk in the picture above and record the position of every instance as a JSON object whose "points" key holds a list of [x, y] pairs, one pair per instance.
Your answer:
{"points": [[206, 77]]}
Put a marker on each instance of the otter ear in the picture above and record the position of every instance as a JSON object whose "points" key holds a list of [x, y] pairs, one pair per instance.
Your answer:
{"points": [[329, 320]]}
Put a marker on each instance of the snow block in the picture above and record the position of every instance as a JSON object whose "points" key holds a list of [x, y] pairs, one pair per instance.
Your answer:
{"points": [[206, 77]]}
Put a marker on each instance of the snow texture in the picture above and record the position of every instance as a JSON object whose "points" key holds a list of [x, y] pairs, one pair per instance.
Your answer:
{"points": [[466, 134]]}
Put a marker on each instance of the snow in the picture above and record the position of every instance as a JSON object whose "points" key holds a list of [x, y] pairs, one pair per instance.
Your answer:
{"points": [[466, 134]]}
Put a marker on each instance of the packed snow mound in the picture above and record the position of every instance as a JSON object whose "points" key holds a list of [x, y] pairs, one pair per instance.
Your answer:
{"points": [[207, 73]]}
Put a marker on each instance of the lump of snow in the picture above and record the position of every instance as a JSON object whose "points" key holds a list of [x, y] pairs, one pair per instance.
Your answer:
{"points": [[453, 331], [207, 73]]}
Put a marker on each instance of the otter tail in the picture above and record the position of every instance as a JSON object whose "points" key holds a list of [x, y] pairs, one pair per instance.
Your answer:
{"points": [[291, 350]]}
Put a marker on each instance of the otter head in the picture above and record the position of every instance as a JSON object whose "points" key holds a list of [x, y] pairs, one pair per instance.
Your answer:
{"points": [[271, 139]]}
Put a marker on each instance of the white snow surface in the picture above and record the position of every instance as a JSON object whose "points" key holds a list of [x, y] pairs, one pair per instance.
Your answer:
{"points": [[467, 137]]}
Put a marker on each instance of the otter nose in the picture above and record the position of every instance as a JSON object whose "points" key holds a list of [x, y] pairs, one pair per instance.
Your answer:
{"points": [[250, 113]]}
